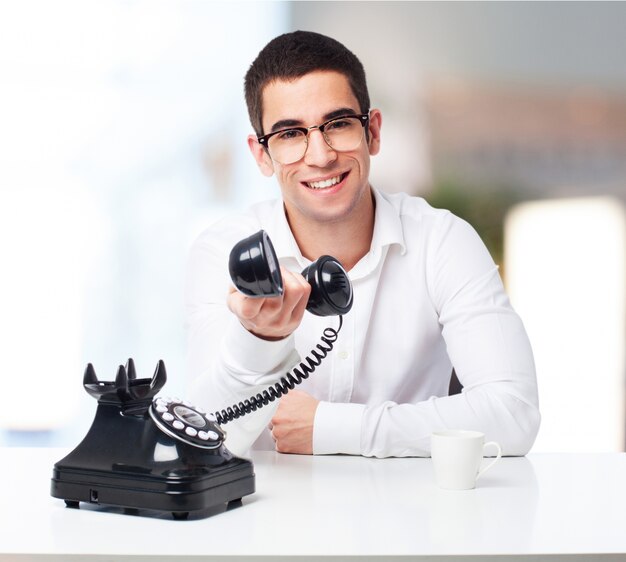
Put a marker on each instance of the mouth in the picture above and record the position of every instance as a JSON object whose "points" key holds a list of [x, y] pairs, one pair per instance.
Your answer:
{"points": [[327, 183]]}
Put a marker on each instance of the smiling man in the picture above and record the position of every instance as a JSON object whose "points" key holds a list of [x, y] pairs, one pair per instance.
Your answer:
{"points": [[427, 296]]}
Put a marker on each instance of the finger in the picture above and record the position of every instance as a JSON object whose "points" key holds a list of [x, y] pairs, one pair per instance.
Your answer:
{"points": [[278, 310], [297, 291], [301, 280], [300, 307], [272, 306], [244, 307]]}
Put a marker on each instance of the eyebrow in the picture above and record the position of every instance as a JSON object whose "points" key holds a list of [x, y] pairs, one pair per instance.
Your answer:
{"points": [[287, 123]]}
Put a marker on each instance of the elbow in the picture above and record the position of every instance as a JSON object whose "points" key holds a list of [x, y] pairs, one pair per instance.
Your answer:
{"points": [[518, 435], [506, 413]]}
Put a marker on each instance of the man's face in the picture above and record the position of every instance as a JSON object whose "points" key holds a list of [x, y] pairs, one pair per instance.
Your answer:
{"points": [[324, 186]]}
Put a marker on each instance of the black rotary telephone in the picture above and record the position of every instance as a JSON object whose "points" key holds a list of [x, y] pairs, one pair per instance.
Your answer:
{"points": [[145, 451]]}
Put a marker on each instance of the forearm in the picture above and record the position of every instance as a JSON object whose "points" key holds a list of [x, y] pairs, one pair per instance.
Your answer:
{"points": [[399, 430], [404, 430]]}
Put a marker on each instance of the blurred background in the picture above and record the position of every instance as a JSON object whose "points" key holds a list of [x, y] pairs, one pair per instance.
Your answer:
{"points": [[122, 135]]}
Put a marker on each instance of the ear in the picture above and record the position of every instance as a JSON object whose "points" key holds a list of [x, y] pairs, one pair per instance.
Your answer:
{"points": [[375, 122], [262, 158]]}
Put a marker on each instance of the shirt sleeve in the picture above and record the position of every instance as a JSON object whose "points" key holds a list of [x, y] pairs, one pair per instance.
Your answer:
{"points": [[488, 346], [226, 363]]}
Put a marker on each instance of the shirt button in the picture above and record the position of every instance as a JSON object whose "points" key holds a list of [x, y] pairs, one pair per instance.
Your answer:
{"points": [[344, 354]]}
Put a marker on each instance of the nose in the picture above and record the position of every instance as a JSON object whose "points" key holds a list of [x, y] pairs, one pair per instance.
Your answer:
{"points": [[318, 152]]}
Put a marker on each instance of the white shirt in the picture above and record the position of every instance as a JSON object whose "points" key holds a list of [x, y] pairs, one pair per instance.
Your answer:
{"points": [[427, 297]]}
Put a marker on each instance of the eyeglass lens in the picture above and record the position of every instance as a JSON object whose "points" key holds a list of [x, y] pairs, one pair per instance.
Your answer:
{"points": [[342, 134]]}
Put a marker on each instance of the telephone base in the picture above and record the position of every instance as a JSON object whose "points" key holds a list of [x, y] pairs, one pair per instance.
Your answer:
{"points": [[128, 462], [223, 485]]}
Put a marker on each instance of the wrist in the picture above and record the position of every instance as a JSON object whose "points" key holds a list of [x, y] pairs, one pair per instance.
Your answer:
{"points": [[266, 337], [243, 351]]}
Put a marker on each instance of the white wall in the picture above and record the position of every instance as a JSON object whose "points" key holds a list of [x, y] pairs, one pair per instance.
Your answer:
{"points": [[566, 276], [123, 134]]}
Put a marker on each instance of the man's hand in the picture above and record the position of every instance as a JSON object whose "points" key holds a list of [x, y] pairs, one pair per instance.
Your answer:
{"points": [[292, 424], [273, 318]]}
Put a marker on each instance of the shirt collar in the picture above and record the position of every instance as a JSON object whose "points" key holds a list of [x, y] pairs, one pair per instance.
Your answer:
{"points": [[387, 231], [387, 224]]}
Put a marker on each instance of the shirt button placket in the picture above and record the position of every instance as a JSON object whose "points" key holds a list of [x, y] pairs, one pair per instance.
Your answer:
{"points": [[343, 364]]}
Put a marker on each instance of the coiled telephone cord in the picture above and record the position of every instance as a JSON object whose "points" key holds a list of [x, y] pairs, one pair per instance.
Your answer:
{"points": [[286, 383]]}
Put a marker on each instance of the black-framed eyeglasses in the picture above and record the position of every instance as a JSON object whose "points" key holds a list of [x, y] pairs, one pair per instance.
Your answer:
{"points": [[341, 134]]}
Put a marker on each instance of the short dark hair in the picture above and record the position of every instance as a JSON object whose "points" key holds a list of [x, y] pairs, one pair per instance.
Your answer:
{"points": [[292, 55]]}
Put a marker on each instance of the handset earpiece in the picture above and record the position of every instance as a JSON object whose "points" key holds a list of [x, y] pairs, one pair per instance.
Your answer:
{"points": [[254, 270], [331, 289]]}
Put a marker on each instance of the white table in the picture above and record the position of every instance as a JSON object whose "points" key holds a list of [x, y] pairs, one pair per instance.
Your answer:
{"points": [[570, 505]]}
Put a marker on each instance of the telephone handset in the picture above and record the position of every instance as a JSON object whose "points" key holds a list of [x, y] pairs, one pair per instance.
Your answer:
{"points": [[255, 272], [254, 269]]}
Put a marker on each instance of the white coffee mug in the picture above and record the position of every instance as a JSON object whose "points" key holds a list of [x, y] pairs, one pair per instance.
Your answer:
{"points": [[457, 455]]}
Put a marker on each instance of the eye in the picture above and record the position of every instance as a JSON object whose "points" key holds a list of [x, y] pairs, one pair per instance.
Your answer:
{"points": [[341, 123], [289, 134]]}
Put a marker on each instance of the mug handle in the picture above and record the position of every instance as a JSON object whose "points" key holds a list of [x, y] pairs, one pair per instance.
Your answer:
{"points": [[494, 461]]}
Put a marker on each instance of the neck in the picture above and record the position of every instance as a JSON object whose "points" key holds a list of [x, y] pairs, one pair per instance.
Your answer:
{"points": [[348, 239]]}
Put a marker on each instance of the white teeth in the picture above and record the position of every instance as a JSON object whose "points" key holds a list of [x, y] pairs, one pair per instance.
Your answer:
{"points": [[323, 184]]}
